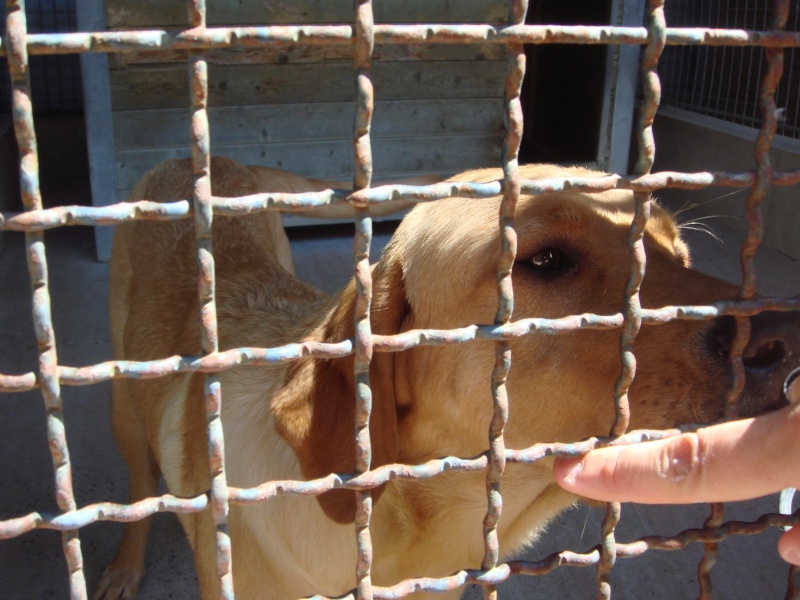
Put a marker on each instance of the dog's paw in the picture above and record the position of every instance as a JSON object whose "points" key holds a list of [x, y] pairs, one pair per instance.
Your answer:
{"points": [[118, 583]]}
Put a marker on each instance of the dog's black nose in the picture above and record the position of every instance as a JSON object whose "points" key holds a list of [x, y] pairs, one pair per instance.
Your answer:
{"points": [[772, 352]]}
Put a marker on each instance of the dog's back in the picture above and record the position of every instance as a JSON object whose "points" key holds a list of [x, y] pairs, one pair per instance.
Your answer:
{"points": [[154, 307], [294, 420]]}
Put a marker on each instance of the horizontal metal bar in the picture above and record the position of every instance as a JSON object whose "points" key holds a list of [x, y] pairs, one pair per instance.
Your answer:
{"points": [[211, 363], [114, 214], [103, 511], [390, 343], [213, 38], [566, 558], [106, 511]]}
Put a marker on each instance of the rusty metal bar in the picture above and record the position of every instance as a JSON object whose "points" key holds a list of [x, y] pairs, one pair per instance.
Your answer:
{"points": [[364, 33], [388, 343], [214, 38], [755, 220], [792, 589], [505, 302], [633, 308], [102, 511], [764, 170], [203, 218], [16, 29], [573, 559], [114, 214], [567, 558], [710, 552], [123, 513]]}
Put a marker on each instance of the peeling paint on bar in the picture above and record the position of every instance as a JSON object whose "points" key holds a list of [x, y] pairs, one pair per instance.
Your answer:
{"points": [[103, 511], [364, 43], [566, 558], [114, 214], [203, 218], [214, 38], [363, 35], [382, 343], [37, 268]]}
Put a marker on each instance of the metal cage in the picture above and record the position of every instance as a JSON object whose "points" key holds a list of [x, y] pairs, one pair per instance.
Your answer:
{"points": [[363, 34]]}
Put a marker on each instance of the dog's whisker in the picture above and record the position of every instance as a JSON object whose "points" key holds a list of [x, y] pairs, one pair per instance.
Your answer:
{"points": [[703, 228], [685, 207], [707, 217], [290, 412], [690, 206], [585, 522]]}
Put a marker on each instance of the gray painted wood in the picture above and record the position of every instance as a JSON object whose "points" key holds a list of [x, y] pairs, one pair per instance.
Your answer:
{"points": [[167, 86], [160, 13], [269, 124], [438, 109], [284, 55], [99, 121], [619, 97], [333, 159]]}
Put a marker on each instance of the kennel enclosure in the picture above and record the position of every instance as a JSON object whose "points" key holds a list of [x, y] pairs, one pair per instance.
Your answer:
{"points": [[359, 39]]}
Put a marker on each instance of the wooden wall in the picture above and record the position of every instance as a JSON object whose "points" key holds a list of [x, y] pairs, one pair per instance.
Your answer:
{"points": [[438, 109]]}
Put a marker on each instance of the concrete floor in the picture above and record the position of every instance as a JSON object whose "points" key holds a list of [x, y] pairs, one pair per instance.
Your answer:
{"points": [[32, 565]]}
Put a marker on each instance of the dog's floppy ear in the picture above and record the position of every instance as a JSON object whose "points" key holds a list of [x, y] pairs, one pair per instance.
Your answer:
{"points": [[315, 409]]}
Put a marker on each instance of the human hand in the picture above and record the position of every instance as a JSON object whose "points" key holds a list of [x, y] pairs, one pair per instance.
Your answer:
{"points": [[732, 461]]}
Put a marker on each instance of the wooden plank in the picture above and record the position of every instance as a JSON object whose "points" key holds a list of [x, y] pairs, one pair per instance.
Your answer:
{"points": [[395, 158], [300, 220], [308, 54], [167, 87], [269, 123], [99, 121], [122, 14]]}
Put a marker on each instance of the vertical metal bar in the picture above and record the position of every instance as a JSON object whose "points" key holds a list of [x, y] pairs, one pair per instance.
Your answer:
{"points": [[16, 40], [364, 43], [710, 553], [755, 233], [755, 220], [203, 218], [769, 115], [505, 301], [633, 317], [792, 589]]}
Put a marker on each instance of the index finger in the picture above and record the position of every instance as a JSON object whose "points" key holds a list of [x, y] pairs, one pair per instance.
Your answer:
{"points": [[727, 462]]}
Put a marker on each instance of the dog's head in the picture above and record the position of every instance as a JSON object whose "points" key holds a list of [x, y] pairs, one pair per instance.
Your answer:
{"points": [[439, 272]]}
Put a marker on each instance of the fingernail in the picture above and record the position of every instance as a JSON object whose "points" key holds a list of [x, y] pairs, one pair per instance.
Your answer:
{"points": [[574, 471]]}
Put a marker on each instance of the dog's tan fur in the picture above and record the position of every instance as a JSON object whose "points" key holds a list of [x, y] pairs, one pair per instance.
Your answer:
{"points": [[295, 421]]}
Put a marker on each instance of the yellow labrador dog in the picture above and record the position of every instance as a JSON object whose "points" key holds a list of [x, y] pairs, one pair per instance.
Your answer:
{"points": [[295, 421]]}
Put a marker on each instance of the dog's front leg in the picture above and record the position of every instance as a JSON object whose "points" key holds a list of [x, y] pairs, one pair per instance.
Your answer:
{"points": [[121, 578]]}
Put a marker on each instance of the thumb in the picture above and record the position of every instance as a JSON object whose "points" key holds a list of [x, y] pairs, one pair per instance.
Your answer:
{"points": [[789, 546]]}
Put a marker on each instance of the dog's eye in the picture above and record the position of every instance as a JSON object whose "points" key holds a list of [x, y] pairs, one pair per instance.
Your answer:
{"points": [[549, 260]]}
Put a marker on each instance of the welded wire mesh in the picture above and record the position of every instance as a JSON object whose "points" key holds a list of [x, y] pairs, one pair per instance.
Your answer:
{"points": [[55, 80], [49, 375], [724, 82]]}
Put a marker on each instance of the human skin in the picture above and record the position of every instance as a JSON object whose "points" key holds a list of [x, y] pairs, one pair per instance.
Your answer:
{"points": [[738, 460]]}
